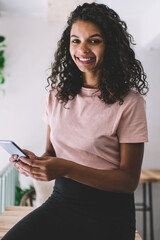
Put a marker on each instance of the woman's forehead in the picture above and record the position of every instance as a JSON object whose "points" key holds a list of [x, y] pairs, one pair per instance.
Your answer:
{"points": [[85, 28]]}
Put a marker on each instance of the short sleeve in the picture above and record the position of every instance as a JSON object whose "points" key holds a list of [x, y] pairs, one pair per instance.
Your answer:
{"points": [[46, 115], [133, 123]]}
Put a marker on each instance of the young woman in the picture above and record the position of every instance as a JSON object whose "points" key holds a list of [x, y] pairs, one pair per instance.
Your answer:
{"points": [[96, 132]]}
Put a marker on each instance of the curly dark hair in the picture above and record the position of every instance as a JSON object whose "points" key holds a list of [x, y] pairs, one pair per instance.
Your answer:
{"points": [[120, 71]]}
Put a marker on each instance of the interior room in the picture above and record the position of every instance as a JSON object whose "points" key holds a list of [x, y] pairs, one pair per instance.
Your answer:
{"points": [[31, 30]]}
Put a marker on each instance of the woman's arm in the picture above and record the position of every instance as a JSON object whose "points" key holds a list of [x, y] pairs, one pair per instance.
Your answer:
{"points": [[49, 147], [125, 179]]}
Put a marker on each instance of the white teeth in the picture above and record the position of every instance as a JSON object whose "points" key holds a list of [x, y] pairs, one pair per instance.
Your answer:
{"points": [[85, 59]]}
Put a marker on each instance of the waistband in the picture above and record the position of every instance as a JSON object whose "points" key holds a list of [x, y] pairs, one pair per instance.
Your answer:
{"points": [[66, 189]]}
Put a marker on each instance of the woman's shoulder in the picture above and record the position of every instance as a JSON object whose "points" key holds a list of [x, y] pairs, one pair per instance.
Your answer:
{"points": [[51, 96], [133, 97], [51, 93], [132, 101]]}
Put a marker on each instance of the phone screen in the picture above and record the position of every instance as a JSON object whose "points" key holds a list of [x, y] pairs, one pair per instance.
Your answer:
{"points": [[12, 148]]}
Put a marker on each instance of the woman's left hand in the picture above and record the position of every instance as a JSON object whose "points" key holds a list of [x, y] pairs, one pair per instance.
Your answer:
{"points": [[42, 168]]}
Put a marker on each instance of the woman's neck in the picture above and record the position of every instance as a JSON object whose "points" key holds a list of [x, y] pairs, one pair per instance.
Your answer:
{"points": [[90, 80]]}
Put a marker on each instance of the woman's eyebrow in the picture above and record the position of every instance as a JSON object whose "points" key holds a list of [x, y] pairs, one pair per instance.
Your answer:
{"points": [[94, 35], [74, 36]]}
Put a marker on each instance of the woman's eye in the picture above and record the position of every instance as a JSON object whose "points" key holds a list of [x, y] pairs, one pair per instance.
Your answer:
{"points": [[95, 41], [75, 41], [92, 41]]}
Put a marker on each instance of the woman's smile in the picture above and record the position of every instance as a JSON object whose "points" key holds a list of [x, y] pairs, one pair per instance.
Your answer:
{"points": [[86, 60], [87, 46]]}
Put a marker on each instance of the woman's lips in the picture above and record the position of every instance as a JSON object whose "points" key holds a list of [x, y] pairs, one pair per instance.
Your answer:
{"points": [[86, 60]]}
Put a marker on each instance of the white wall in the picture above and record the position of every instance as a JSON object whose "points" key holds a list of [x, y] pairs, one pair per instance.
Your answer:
{"points": [[23, 6], [31, 42]]}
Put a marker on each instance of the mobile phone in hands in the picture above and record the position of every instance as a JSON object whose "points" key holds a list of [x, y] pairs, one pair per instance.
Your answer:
{"points": [[13, 149]]}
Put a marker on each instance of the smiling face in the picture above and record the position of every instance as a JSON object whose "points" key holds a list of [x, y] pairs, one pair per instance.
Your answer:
{"points": [[87, 46]]}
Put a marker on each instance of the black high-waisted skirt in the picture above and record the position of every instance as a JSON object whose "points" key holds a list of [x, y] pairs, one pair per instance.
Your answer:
{"points": [[75, 211]]}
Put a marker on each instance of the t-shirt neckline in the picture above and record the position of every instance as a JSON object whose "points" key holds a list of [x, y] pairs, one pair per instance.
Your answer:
{"points": [[90, 91]]}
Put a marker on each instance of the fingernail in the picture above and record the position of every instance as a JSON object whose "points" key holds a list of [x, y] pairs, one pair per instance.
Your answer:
{"points": [[15, 156]]}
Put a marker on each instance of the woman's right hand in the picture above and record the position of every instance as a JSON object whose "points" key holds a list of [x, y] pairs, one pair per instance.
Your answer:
{"points": [[13, 159]]}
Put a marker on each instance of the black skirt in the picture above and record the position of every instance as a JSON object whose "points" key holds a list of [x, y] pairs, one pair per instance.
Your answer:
{"points": [[75, 211]]}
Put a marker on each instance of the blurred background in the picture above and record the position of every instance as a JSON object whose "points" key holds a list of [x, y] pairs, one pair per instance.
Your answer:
{"points": [[31, 29]]}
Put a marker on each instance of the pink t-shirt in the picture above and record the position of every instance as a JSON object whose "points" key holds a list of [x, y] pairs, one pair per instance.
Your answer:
{"points": [[88, 131]]}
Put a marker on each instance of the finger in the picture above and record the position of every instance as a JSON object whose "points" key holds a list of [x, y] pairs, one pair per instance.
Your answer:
{"points": [[30, 174], [33, 171], [13, 158], [21, 171], [23, 167], [32, 162], [29, 153], [32, 155], [39, 177], [28, 169]]}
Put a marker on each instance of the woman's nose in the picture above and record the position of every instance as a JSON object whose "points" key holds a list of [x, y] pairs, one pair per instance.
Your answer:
{"points": [[83, 48]]}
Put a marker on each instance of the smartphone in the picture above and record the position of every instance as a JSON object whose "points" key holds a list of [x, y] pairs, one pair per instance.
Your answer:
{"points": [[12, 148]]}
